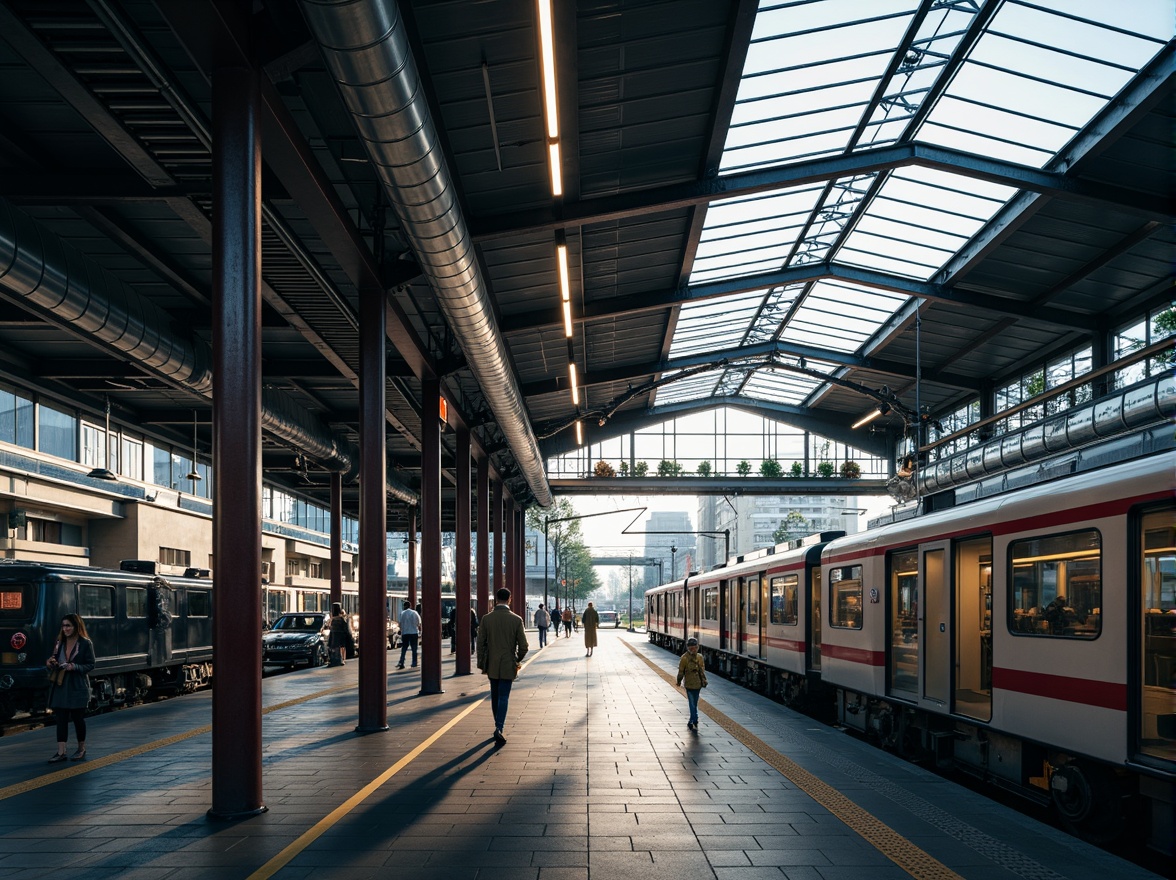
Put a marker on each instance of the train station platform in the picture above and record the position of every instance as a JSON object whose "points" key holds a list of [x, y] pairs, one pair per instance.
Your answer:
{"points": [[599, 779]]}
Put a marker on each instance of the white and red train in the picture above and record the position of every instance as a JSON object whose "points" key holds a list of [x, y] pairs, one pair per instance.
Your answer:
{"points": [[1029, 638]]}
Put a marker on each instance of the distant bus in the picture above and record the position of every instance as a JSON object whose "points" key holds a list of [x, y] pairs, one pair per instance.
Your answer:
{"points": [[610, 618]]}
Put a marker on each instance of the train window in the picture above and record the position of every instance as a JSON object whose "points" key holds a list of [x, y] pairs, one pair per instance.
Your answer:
{"points": [[845, 585], [199, 603], [95, 601], [1158, 590], [784, 599], [16, 601], [710, 604], [753, 591], [136, 602], [904, 621], [1056, 586]]}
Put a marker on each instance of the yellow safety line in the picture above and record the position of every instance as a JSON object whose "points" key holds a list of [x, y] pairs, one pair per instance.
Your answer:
{"points": [[106, 760], [882, 837], [332, 818]]}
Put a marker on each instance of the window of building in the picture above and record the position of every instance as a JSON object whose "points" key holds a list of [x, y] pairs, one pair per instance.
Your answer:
{"points": [[94, 446], [136, 602], [199, 603], [57, 433], [130, 459], [174, 556], [1159, 324], [292, 566], [16, 419], [315, 568], [53, 532], [1055, 584], [845, 585], [95, 601], [784, 600]]}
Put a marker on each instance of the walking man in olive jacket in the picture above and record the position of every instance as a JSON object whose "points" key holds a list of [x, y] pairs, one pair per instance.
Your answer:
{"points": [[502, 644]]}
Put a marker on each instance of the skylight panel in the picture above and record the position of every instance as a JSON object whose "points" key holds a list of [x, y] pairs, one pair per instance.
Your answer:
{"points": [[696, 387], [841, 316], [714, 325], [778, 386]]}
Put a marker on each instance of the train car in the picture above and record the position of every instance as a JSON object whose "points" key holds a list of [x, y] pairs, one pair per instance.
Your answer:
{"points": [[1028, 638], [149, 632]]}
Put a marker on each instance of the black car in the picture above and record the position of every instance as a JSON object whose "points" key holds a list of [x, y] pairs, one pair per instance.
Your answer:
{"points": [[297, 638]]}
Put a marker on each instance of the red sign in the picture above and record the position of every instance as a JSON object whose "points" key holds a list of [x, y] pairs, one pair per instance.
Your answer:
{"points": [[18, 641]]}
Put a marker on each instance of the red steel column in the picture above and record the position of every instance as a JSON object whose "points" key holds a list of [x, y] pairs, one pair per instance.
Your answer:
{"points": [[236, 460], [430, 536], [508, 529], [336, 536], [521, 556], [373, 514], [483, 536], [496, 524], [412, 556], [462, 549]]}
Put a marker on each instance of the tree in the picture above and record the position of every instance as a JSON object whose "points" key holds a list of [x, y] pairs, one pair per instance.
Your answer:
{"points": [[581, 577], [793, 526], [743, 468], [770, 468]]}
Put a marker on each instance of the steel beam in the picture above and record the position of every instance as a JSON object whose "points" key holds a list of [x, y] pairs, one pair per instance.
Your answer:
{"points": [[462, 551], [718, 486], [236, 424]]}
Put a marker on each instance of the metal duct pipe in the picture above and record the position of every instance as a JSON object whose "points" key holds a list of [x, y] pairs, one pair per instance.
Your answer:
{"points": [[1139, 407], [367, 51], [37, 265]]}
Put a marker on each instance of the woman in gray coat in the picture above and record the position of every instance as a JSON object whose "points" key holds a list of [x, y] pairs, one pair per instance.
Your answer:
{"points": [[69, 693]]}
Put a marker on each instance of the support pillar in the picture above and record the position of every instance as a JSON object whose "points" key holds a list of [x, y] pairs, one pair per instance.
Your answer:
{"points": [[336, 536], [412, 557], [373, 515], [521, 556], [236, 460], [430, 536], [483, 536], [508, 528], [462, 549], [496, 524]]}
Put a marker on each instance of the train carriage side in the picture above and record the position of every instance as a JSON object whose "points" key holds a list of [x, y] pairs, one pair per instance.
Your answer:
{"points": [[1011, 635]]}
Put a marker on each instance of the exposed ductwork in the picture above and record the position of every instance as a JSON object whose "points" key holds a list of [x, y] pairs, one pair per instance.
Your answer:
{"points": [[1139, 407], [367, 51], [36, 265]]}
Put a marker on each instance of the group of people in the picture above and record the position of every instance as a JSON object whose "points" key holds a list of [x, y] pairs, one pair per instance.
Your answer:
{"points": [[500, 644]]}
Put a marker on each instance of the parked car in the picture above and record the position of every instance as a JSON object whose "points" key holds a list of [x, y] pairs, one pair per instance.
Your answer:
{"points": [[297, 638], [609, 618]]}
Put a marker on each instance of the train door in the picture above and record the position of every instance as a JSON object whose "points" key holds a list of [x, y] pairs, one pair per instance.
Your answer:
{"points": [[814, 622], [973, 628], [741, 618], [903, 567], [1156, 729], [695, 610], [98, 606], [936, 615], [724, 615], [765, 614]]}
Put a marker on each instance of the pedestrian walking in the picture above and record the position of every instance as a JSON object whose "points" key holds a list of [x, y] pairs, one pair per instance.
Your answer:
{"points": [[69, 692], [567, 622], [339, 640], [502, 644], [410, 633], [542, 621], [692, 675], [591, 621]]}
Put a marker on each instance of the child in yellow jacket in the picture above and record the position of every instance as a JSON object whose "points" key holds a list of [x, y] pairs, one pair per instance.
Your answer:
{"points": [[692, 671]]}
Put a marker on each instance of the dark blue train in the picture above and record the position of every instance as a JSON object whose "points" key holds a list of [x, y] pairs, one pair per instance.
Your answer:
{"points": [[150, 633]]}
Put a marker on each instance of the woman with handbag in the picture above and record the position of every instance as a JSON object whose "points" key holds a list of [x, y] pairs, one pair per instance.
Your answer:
{"points": [[69, 693]]}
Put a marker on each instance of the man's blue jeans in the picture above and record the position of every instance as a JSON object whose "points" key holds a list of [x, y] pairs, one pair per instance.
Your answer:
{"points": [[692, 699], [542, 636], [405, 641], [499, 698]]}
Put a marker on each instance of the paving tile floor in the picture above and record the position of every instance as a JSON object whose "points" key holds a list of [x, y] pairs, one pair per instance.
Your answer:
{"points": [[599, 779]]}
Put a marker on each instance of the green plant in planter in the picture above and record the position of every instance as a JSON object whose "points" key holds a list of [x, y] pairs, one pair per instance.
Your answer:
{"points": [[743, 468], [640, 468], [667, 468], [797, 470], [826, 469], [604, 469], [704, 469], [850, 470], [770, 468], [624, 468]]}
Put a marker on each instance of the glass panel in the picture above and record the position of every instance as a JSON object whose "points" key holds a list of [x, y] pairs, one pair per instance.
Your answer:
{"points": [[58, 433], [815, 635], [1158, 588], [846, 585], [753, 591], [1056, 586], [784, 600], [95, 601], [904, 622], [973, 628], [136, 602], [199, 603]]}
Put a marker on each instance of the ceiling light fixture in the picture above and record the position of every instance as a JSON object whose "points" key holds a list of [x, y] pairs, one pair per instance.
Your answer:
{"points": [[565, 285], [547, 59], [579, 433], [193, 475], [556, 172], [878, 411], [575, 387], [567, 315]]}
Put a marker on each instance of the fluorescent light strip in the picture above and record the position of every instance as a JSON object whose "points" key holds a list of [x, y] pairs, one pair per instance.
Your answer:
{"points": [[556, 171], [547, 59], [866, 419], [567, 312], [579, 434], [575, 387], [565, 287]]}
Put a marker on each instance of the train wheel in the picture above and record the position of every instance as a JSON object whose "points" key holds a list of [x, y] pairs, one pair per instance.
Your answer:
{"points": [[1088, 801]]}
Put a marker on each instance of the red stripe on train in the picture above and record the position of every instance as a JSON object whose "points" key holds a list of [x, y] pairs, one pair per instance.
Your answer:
{"points": [[854, 655], [1104, 694], [786, 644]]}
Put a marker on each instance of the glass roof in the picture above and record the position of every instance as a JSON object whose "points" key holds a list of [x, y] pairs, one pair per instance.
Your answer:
{"points": [[1011, 80]]}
